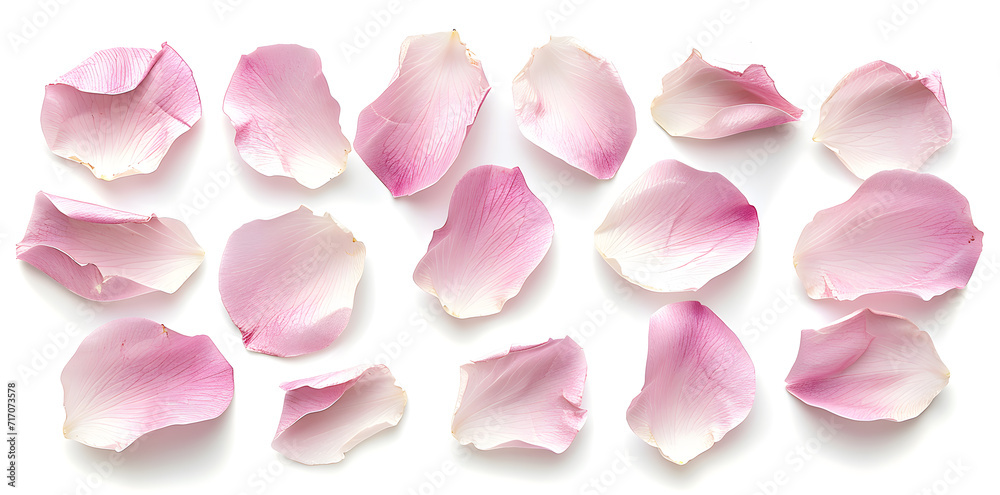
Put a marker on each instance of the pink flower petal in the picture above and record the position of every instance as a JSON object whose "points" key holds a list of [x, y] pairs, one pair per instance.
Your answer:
{"points": [[132, 376], [327, 415], [528, 397], [572, 104], [120, 110], [104, 254], [497, 232], [288, 282], [411, 134], [286, 122], [700, 382], [881, 118], [868, 366], [675, 228], [700, 100], [902, 232]]}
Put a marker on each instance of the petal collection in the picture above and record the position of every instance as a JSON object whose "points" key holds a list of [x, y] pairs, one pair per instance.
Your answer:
{"points": [[132, 376], [868, 366], [527, 397]]}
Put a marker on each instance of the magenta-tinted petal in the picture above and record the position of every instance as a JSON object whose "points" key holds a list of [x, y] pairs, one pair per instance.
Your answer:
{"points": [[286, 122], [881, 118], [104, 254], [412, 133], [325, 416], [902, 231], [868, 366], [700, 382], [497, 232], [675, 228], [120, 110], [700, 100], [572, 104], [528, 397], [132, 376], [288, 282]]}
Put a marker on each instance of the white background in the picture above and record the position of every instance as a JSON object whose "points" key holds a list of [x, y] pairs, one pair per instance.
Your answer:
{"points": [[806, 48]]}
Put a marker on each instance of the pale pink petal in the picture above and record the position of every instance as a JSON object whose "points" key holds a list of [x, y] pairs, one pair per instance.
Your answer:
{"points": [[868, 366], [286, 122], [529, 397], [288, 282], [412, 133], [104, 254], [327, 415], [132, 376], [880, 118], [572, 104], [120, 110], [700, 100], [700, 382], [675, 228], [497, 232], [902, 232]]}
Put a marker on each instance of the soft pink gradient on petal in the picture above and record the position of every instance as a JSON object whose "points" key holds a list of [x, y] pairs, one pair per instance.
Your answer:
{"points": [[881, 118], [528, 397], [288, 283], [902, 232], [868, 366], [132, 376], [675, 228], [700, 382], [497, 232], [700, 100], [104, 254], [327, 415], [286, 122], [412, 133], [120, 110], [572, 104]]}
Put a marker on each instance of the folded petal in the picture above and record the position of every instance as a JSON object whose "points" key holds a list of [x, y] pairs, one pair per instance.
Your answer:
{"points": [[881, 118], [120, 110], [327, 415], [288, 282], [675, 228], [104, 254], [700, 100], [902, 232], [411, 134], [868, 366], [700, 382], [527, 397], [132, 376], [286, 122], [496, 233], [572, 104]]}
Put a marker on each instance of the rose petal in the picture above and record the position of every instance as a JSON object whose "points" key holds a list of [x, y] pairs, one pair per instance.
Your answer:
{"points": [[104, 254], [528, 397], [573, 105], [700, 100], [497, 232], [881, 118], [412, 133], [120, 110], [327, 415], [288, 282], [675, 228], [286, 122], [132, 376], [868, 366], [700, 382], [902, 232]]}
